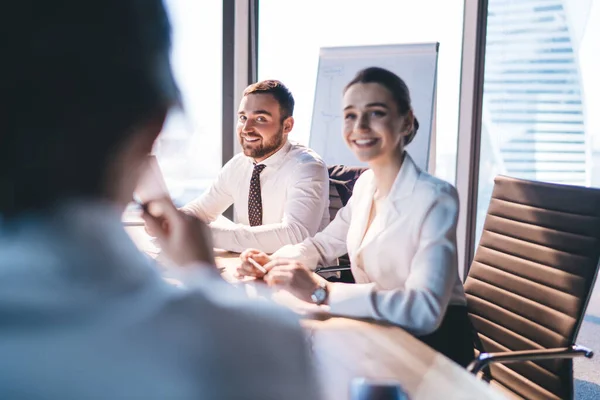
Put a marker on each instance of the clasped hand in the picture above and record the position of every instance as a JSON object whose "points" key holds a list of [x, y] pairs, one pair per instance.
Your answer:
{"points": [[290, 275]]}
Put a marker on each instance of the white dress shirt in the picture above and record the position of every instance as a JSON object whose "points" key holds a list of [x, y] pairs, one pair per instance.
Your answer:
{"points": [[295, 200], [86, 316], [405, 266]]}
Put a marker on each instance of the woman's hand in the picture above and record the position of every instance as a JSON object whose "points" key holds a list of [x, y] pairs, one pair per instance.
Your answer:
{"points": [[292, 276], [248, 268], [183, 238]]}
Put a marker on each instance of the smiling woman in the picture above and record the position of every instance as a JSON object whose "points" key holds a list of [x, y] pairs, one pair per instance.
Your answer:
{"points": [[399, 230]]}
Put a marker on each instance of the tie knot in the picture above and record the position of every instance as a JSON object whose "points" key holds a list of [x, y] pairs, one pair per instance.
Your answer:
{"points": [[258, 168]]}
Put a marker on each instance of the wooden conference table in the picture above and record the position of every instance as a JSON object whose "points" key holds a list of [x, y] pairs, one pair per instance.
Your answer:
{"points": [[345, 348]]}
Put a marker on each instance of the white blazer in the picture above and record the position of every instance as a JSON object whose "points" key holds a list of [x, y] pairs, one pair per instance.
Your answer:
{"points": [[406, 267]]}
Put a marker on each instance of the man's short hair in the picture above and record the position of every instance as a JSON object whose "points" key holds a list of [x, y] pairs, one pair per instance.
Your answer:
{"points": [[76, 77], [278, 90]]}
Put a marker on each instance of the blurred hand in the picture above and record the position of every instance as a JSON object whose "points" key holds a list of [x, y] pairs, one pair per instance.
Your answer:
{"points": [[148, 228], [246, 268], [292, 276], [183, 238], [164, 223]]}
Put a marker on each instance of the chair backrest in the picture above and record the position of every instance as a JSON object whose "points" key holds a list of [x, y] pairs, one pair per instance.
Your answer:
{"points": [[532, 277], [341, 185]]}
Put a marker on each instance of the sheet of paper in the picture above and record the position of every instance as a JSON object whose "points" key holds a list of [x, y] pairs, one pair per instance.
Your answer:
{"points": [[152, 184]]}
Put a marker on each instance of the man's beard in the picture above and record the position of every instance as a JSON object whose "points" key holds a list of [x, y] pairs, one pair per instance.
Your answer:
{"points": [[265, 148]]}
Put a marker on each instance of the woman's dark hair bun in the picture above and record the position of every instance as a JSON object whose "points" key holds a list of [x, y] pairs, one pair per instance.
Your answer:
{"points": [[413, 133]]}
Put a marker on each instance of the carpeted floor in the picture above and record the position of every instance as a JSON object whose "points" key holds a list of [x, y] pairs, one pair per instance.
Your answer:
{"points": [[587, 372]]}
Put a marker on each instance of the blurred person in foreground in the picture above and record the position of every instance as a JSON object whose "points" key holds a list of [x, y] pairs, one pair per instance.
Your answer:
{"points": [[84, 90]]}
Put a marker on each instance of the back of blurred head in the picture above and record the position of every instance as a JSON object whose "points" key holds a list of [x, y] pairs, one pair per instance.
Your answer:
{"points": [[84, 90]]}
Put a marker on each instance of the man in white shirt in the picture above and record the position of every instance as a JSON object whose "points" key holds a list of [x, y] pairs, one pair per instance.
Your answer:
{"points": [[280, 190], [86, 86]]}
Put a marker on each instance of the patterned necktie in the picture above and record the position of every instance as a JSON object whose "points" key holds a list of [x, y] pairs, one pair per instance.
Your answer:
{"points": [[254, 197]]}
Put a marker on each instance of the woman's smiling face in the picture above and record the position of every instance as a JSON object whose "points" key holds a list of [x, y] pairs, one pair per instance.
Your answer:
{"points": [[373, 127]]}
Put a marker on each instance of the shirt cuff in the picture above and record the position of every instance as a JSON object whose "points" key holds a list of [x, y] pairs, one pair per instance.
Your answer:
{"points": [[291, 251], [223, 238], [305, 253], [352, 300]]}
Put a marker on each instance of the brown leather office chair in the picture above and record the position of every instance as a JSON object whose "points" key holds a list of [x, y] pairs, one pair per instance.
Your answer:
{"points": [[530, 282], [341, 185]]}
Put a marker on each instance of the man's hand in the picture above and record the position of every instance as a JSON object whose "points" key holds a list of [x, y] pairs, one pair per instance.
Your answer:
{"points": [[183, 238], [247, 268]]}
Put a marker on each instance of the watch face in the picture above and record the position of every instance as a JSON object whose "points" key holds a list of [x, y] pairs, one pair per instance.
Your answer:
{"points": [[319, 295]]}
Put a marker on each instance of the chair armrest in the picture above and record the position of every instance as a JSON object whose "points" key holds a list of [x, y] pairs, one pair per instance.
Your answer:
{"points": [[484, 359], [334, 268]]}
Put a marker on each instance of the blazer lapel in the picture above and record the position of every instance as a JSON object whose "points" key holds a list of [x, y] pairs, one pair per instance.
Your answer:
{"points": [[402, 189], [361, 210], [393, 209]]}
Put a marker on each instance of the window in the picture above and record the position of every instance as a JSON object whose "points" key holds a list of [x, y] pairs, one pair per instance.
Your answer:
{"points": [[540, 106], [291, 34], [541, 95], [189, 148]]}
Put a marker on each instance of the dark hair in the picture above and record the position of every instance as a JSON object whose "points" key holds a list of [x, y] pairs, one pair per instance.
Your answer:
{"points": [[75, 78], [279, 91], [397, 88]]}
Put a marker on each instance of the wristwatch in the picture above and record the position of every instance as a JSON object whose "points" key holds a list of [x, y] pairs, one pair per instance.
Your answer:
{"points": [[320, 294]]}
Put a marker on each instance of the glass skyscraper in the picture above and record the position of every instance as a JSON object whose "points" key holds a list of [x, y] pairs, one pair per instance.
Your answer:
{"points": [[533, 101], [537, 123]]}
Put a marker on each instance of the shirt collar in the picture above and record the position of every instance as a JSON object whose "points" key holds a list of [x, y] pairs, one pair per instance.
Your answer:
{"points": [[278, 157], [77, 214], [87, 230]]}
